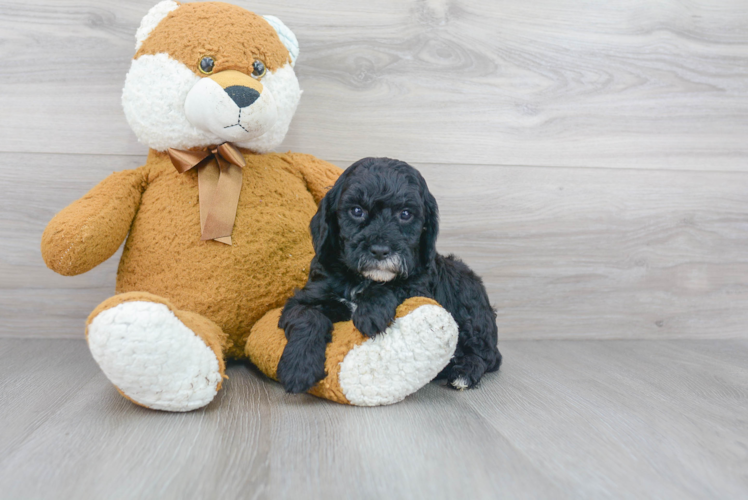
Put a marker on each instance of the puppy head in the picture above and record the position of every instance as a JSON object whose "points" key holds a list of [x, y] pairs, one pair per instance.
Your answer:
{"points": [[379, 220], [209, 72]]}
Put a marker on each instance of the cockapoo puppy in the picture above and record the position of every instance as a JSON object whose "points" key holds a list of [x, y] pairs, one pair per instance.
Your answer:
{"points": [[374, 237]]}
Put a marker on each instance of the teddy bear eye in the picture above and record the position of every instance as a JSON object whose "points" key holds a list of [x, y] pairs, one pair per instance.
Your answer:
{"points": [[206, 65], [258, 69]]}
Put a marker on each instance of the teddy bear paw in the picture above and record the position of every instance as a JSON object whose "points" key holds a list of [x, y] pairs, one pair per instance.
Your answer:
{"points": [[153, 358]]}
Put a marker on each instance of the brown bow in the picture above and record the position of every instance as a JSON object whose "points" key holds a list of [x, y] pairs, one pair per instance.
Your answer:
{"points": [[219, 181]]}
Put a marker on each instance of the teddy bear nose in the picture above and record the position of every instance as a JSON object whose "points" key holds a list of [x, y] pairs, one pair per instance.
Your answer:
{"points": [[241, 95]]}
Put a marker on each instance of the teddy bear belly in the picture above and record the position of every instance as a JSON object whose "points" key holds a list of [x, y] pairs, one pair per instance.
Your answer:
{"points": [[234, 285]]}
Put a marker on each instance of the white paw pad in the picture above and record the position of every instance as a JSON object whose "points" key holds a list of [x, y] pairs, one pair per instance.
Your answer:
{"points": [[398, 362], [153, 358], [460, 383]]}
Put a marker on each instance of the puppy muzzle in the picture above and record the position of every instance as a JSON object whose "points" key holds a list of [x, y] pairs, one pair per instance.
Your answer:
{"points": [[383, 270], [231, 105]]}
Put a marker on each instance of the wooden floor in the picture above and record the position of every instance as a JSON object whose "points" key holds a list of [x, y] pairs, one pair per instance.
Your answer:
{"points": [[562, 419], [590, 160]]}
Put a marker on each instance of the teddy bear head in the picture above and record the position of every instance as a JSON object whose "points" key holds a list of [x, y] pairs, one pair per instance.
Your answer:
{"points": [[205, 73]]}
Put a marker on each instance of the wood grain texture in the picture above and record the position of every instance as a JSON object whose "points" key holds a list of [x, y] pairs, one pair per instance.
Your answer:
{"points": [[563, 419], [565, 253], [500, 104], [556, 83], [575, 253]]}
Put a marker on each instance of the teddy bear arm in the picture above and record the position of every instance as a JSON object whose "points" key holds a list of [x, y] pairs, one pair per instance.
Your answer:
{"points": [[91, 229], [319, 175]]}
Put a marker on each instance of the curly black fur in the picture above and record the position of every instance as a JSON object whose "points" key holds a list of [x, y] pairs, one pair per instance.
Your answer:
{"points": [[374, 237]]}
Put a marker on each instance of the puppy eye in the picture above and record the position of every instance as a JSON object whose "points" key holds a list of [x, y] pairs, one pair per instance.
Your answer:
{"points": [[406, 215], [206, 65], [358, 212], [258, 69]]}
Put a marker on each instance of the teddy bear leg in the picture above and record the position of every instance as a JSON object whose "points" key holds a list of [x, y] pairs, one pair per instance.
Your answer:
{"points": [[155, 355], [365, 371]]}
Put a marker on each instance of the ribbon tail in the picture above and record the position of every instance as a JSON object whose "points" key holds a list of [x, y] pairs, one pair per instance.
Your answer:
{"points": [[221, 207], [207, 180]]}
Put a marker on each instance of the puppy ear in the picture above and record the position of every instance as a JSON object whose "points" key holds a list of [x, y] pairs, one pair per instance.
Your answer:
{"points": [[430, 227], [324, 224]]}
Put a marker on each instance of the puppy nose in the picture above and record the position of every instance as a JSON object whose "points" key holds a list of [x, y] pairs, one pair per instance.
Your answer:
{"points": [[380, 251], [241, 95]]}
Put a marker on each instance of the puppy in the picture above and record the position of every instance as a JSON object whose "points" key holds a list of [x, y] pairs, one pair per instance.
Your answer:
{"points": [[374, 238]]}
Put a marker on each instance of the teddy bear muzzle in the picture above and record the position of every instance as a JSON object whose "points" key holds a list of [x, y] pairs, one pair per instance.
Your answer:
{"points": [[232, 105]]}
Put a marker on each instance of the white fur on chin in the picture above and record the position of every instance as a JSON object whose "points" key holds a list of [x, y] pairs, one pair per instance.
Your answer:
{"points": [[379, 275], [383, 270]]}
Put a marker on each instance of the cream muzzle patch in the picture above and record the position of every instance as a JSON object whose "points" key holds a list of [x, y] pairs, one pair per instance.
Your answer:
{"points": [[231, 106], [383, 270]]}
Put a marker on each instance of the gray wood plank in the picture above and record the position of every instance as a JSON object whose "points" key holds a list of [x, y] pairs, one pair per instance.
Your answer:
{"points": [[563, 419], [256, 441], [565, 253], [35, 380], [602, 84], [668, 416]]}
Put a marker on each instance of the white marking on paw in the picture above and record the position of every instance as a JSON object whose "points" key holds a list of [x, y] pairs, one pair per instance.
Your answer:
{"points": [[153, 358], [461, 383], [352, 306]]}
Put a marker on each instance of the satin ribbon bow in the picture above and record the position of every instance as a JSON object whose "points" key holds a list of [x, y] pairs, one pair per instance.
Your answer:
{"points": [[219, 181]]}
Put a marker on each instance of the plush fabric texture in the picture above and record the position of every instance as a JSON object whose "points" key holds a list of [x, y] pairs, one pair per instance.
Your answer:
{"points": [[393, 365], [157, 85], [209, 107], [266, 343], [184, 304], [286, 36], [157, 356], [92, 228], [286, 94], [154, 87], [218, 30], [157, 13], [165, 77], [231, 285]]}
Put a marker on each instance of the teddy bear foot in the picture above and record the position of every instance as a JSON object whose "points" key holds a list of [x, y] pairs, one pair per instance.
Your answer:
{"points": [[366, 371], [408, 355], [153, 358]]}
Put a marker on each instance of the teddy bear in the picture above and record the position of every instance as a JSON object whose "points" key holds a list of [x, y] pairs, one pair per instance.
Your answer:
{"points": [[216, 225]]}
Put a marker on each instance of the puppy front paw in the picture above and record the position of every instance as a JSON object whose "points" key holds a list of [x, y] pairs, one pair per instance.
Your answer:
{"points": [[301, 366], [464, 372], [370, 322], [297, 382]]}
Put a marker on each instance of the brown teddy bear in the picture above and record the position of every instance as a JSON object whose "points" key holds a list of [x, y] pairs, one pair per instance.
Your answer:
{"points": [[217, 225]]}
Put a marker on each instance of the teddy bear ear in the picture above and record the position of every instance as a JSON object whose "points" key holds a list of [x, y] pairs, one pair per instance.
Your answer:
{"points": [[286, 36], [157, 13]]}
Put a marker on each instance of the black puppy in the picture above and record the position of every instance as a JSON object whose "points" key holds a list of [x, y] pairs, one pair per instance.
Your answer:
{"points": [[374, 237]]}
